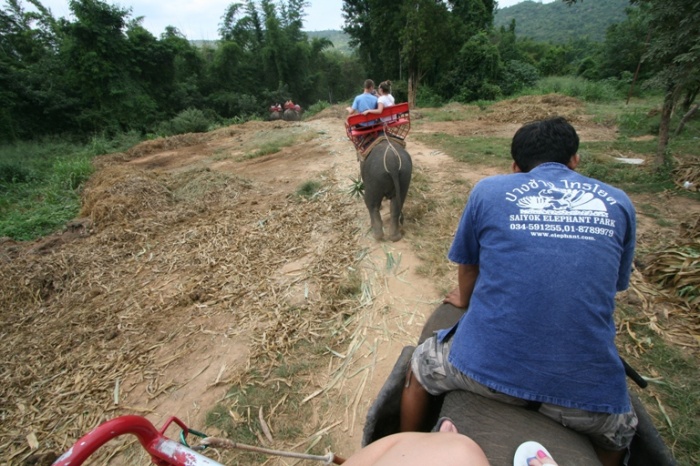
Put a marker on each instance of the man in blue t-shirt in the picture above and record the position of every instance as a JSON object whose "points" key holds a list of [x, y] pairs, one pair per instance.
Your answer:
{"points": [[541, 254], [365, 101]]}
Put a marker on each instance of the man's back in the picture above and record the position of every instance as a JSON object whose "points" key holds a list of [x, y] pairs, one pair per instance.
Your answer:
{"points": [[552, 247], [364, 101]]}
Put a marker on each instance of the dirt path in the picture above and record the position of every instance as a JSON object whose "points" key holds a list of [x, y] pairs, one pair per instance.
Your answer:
{"points": [[397, 299]]}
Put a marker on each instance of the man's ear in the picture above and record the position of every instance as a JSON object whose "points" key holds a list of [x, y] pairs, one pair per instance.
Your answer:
{"points": [[574, 161], [516, 168]]}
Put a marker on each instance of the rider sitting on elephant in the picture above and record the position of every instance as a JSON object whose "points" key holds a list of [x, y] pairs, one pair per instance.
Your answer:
{"points": [[384, 100], [539, 280], [365, 101]]}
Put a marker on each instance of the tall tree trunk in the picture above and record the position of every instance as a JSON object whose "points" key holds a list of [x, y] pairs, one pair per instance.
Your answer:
{"points": [[664, 127], [690, 95], [685, 119], [412, 87]]}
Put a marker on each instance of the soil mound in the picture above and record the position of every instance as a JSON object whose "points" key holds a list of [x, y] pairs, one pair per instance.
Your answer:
{"points": [[335, 111], [122, 192], [537, 107]]}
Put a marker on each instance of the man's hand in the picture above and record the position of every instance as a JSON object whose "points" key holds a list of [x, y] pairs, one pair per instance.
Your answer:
{"points": [[466, 279], [454, 297]]}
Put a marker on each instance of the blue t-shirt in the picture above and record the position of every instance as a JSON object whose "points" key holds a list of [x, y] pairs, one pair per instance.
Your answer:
{"points": [[553, 248], [364, 102]]}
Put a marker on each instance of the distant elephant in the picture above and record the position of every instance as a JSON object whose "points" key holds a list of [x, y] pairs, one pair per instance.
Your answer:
{"points": [[386, 173], [290, 115], [499, 427], [275, 115]]}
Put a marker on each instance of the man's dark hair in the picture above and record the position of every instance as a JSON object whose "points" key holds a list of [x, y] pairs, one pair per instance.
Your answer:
{"points": [[369, 84], [550, 140]]}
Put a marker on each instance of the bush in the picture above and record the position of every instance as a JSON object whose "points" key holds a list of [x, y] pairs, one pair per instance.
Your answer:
{"points": [[489, 91], [517, 75], [599, 91], [318, 107], [427, 97], [191, 120], [232, 104]]}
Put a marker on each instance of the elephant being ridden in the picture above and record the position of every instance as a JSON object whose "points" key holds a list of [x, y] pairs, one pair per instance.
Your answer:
{"points": [[499, 427], [386, 173], [291, 115]]}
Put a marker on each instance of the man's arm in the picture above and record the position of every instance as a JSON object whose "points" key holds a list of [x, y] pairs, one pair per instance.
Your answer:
{"points": [[378, 110], [466, 279]]}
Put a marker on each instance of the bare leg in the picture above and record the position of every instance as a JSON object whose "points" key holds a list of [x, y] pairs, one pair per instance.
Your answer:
{"points": [[610, 458], [418, 449], [415, 402]]}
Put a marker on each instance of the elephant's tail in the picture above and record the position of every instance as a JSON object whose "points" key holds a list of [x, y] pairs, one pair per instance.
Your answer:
{"points": [[390, 151]]}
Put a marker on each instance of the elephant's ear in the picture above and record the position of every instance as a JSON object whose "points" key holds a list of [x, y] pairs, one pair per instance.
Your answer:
{"points": [[383, 416]]}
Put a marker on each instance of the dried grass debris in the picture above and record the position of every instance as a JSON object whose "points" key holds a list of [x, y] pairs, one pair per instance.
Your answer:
{"points": [[171, 256], [538, 107]]}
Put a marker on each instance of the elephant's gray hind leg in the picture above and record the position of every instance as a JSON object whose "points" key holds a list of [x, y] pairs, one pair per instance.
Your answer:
{"points": [[373, 201], [395, 234]]}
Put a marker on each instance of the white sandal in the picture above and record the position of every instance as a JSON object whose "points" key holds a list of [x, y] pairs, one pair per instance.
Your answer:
{"points": [[527, 451]]}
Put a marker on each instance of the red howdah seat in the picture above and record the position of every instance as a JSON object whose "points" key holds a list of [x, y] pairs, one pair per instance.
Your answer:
{"points": [[394, 121]]}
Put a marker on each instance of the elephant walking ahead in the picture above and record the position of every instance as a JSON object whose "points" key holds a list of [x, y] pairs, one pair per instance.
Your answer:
{"points": [[386, 173]]}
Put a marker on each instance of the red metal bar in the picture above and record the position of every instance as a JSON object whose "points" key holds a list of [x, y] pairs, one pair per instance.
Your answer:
{"points": [[163, 451]]}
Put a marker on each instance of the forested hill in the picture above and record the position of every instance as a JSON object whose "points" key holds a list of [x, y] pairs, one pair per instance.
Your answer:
{"points": [[339, 38], [557, 22]]}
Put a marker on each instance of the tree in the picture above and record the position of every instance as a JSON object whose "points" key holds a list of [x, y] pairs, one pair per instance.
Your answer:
{"points": [[675, 45], [415, 37], [674, 49], [423, 40], [624, 46], [31, 92]]}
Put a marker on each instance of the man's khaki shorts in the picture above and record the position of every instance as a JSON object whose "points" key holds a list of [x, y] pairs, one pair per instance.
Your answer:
{"points": [[435, 373]]}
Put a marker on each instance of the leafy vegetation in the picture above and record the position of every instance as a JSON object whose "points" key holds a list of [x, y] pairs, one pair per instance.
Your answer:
{"points": [[309, 189], [40, 188], [100, 71]]}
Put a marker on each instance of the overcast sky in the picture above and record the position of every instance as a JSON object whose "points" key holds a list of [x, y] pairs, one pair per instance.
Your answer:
{"points": [[199, 19]]}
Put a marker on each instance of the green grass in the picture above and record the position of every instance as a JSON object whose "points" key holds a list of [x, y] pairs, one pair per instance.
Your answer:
{"points": [[309, 189], [272, 142], [40, 188], [449, 112], [673, 395], [279, 393], [266, 149], [652, 211], [476, 150], [40, 182], [580, 88], [596, 162]]}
